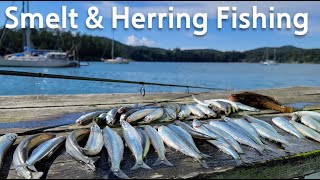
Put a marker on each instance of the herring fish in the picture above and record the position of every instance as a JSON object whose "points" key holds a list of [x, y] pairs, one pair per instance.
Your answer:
{"points": [[88, 118], [94, 143], [21, 154], [209, 112], [174, 141], [196, 111], [111, 116], [139, 115], [145, 142], [184, 112], [43, 151], [6, 141], [237, 135], [306, 131], [258, 121], [77, 152], [193, 132], [287, 126], [115, 149], [312, 114], [234, 143], [266, 133], [134, 142], [187, 137], [158, 145], [311, 123], [156, 114]]}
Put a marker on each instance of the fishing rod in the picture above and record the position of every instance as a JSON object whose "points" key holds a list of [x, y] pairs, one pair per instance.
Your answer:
{"points": [[142, 91]]}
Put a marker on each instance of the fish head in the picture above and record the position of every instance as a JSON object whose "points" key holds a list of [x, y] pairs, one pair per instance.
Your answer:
{"points": [[11, 136], [294, 117], [95, 128], [196, 123]]}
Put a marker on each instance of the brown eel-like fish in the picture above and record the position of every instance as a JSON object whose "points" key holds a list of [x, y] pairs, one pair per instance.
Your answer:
{"points": [[260, 101]]}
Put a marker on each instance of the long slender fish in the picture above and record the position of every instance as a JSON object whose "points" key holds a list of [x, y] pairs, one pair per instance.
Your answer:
{"points": [[237, 135], [21, 153], [306, 131], [128, 113], [233, 104], [209, 112], [111, 116], [287, 126], [94, 143], [261, 122], [156, 114], [77, 152], [6, 141], [234, 143], [174, 141], [312, 114], [196, 111], [139, 115], [187, 137], [115, 149], [158, 145], [134, 142], [311, 123], [145, 142], [266, 133], [246, 125], [184, 112], [246, 107], [193, 132], [244, 130], [43, 151], [88, 118]]}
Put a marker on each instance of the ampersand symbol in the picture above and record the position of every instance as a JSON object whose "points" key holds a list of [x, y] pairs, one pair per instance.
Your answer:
{"points": [[93, 12]]}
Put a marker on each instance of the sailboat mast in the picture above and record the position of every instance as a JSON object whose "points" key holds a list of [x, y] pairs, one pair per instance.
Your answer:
{"points": [[112, 49], [274, 54], [28, 30]]}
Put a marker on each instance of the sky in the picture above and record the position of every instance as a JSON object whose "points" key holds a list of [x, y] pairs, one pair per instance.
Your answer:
{"points": [[225, 39]]}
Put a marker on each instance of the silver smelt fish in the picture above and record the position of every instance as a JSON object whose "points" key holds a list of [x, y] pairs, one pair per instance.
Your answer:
{"points": [[187, 137], [171, 113], [287, 126], [312, 114], [246, 107], [139, 115], [266, 133], [244, 130], [237, 135], [233, 104], [145, 142], [6, 141], [208, 104], [209, 112], [246, 125], [196, 111], [128, 113], [20, 155], [88, 118], [115, 149], [158, 145], [193, 132], [134, 142], [261, 122], [184, 112], [77, 152], [94, 143], [43, 151], [111, 116], [306, 131], [156, 114], [234, 143], [311, 123], [173, 140]]}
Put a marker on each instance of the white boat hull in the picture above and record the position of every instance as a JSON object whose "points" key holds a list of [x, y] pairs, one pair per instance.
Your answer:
{"points": [[38, 63]]}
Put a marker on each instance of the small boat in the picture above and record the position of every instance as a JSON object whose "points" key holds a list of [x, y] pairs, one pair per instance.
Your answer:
{"points": [[268, 61], [118, 60]]}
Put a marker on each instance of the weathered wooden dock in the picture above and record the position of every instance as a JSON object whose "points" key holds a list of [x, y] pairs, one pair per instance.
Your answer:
{"points": [[302, 158]]}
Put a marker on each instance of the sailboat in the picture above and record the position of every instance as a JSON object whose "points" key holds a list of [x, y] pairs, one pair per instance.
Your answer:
{"points": [[118, 60], [268, 61], [31, 57]]}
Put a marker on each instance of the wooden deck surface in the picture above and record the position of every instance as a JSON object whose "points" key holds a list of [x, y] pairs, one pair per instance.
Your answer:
{"points": [[302, 158]]}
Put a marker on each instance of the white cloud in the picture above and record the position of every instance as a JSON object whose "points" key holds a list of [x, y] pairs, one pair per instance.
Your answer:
{"points": [[135, 41]]}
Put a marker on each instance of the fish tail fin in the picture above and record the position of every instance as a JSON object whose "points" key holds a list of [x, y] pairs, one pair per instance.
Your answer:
{"points": [[32, 168], [203, 163], [36, 175], [205, 155], [162, 161], [120, 174], [140, 165], [278, 151]]}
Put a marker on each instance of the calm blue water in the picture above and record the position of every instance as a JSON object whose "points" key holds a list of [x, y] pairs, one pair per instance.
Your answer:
{"points": [[237, 76]]}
